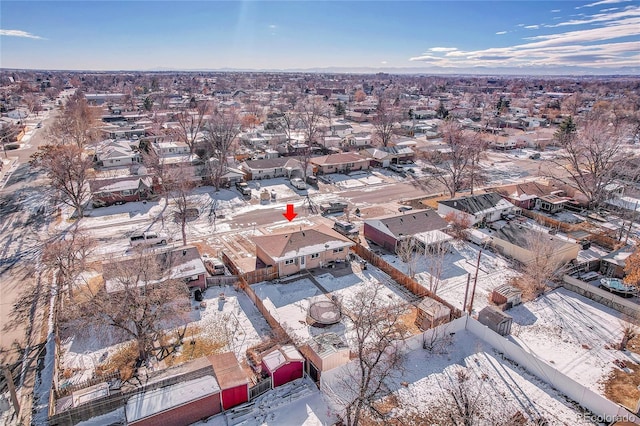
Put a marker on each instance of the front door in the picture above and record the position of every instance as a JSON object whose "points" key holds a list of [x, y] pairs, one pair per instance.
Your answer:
{"points": [[302, 265]]}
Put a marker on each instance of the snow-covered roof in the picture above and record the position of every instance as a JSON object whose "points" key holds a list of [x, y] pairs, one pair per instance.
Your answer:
{"points": [[146, 404], [301, 243], [281, 356], [432, 237]]}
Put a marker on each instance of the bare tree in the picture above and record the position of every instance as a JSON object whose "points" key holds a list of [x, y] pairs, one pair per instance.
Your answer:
{"points": [[384, 122], [69, 170], [77, 124], [191, 122], [183, 204], [67, 257], [9, 134], [378, 331], [406, 249], [138, 300], [543, 263], [435, 254], [222, 129], [451, 169], [594, 156]]}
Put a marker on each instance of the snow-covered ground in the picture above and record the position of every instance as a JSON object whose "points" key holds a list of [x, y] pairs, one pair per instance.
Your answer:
{"points": [[295, 403], [575, 334], [503, 387], [232, 317], [455, 266], [289, 303]]}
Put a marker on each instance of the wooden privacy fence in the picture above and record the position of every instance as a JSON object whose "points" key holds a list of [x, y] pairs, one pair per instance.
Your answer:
{"points": [[405, 281], [279, 332]]}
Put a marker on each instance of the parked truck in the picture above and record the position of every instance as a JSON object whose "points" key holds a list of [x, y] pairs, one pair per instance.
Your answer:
{"points": [[333, 207]]}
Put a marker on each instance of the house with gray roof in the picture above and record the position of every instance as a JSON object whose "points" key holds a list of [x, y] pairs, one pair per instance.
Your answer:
{"points": [[480, 208]]}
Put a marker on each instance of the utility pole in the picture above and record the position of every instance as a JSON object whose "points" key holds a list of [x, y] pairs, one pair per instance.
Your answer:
{"points": [[12, 388], [475, 281], [466, 293]]}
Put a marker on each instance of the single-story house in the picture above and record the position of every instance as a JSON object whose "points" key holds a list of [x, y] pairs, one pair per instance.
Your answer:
{"points": [[387, 231], [383, 157], [339, 163], [514, 241], [284, 364], [271, 168], [356, 140], [300, 250], [481, 208], [525, 195], [108, 191], [183, 263], [112, 153]]}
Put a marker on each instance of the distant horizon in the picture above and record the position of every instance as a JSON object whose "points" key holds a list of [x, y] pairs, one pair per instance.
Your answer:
{"points": [[597, 37]]}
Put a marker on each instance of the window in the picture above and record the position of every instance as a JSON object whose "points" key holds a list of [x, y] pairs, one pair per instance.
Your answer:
{"points": [[127, 192], [289, 262], [338, 250], [315, 255]]}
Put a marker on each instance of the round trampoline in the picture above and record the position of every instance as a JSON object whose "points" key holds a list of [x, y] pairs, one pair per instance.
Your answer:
{"points": [[323, 313]]}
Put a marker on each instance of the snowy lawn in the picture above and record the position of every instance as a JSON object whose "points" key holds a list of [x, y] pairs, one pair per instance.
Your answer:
{"points": [[501, 387], [233, 319], [289, 303], [455, 266], [575, 334]]}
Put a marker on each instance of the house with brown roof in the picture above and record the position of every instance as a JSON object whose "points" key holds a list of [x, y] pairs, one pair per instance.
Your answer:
{"points": [[345, 162], [425, 226], [530, 195], [309, 248]]}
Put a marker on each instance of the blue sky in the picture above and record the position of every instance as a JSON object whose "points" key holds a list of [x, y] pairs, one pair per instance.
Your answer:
{"points": [[455, 36]]}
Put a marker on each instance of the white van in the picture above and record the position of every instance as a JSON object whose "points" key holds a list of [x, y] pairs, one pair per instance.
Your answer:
{"points": [[298, 183], [148, 238]]}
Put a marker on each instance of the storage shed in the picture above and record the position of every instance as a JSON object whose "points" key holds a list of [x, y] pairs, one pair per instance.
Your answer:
{"points": [[506, 295], [496, 320], [284, 364], [324, 352], [176, 405], [232, 379], [431, 313]]}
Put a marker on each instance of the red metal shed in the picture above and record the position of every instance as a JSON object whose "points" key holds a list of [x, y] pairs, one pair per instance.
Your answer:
{"points": [[232, 379], [284, 364]]}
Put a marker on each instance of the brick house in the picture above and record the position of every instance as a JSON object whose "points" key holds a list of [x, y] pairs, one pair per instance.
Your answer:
{"points": [[300, 250]]}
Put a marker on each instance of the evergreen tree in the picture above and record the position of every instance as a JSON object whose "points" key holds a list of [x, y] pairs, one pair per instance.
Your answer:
{"points": [[566, 131]]}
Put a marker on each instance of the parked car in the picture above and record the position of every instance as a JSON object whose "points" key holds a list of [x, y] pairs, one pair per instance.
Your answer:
{"points": [[243, 187], [298, 183], [148, 238], [345, 228], [333, 207], [312, 180], [535, 156], [213, 266]]}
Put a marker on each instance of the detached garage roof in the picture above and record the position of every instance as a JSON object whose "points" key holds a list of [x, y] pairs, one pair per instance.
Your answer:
{"points": [[147, 404], [228, 370]]}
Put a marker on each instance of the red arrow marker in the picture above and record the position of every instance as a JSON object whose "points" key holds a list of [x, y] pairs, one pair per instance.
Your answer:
{"points": [[290, 214]]}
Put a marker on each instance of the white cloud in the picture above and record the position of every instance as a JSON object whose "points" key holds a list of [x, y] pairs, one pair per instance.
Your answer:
{"points": [[598, 3], [532, 27], [501, 32], [383, 62], [273, 27], [556, 10], [443, 49], [604, 44], [19, 33]]}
